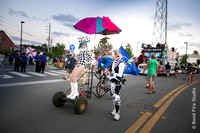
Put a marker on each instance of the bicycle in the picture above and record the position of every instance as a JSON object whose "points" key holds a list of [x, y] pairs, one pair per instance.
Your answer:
{"points": [[103, 86]]}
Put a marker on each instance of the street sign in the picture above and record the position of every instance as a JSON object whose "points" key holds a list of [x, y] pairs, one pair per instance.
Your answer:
{"points": [[72, 47]]}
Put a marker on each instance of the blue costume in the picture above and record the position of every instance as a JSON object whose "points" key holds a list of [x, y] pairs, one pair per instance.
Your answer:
{"points": [[37, 61], [17, 60], [23, 62], [43, 61], [10, 59], [106, 56]]}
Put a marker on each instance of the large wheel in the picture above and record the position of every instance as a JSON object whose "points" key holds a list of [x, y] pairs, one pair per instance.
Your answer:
{"points": [[101, 89], [57, 101], [80, 105]]}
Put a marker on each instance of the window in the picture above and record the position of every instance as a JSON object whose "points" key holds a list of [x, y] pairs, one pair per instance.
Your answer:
{"points": [[4, 39]]}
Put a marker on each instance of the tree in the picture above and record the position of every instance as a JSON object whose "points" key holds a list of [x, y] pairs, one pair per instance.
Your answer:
{"points": [[129, 50], [101, 43], [44, 46], [195, 52], [184, 59], [59, 50], [198, 61]]}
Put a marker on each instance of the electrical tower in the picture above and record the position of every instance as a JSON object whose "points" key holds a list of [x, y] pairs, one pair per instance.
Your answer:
{"points": [[160, 23]]}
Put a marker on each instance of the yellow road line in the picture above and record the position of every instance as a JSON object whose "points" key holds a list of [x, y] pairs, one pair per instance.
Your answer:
{"points": [[167, 96], [160, 102], [149, 125], [138, 123]]}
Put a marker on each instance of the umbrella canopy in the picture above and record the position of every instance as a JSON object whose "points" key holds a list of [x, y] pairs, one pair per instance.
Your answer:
{"points": [[97, 25]]}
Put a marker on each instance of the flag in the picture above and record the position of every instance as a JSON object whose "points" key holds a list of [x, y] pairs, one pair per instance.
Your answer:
{"points": [[130, 67], [30, 51]]}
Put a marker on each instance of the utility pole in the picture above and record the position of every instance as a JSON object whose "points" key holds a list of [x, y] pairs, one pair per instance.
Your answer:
{"points": [[49, 38], [186, 46], [51, 44], [21, 37]]}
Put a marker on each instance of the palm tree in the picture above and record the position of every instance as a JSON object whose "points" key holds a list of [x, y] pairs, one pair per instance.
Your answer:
{"points": [[195, 52]]}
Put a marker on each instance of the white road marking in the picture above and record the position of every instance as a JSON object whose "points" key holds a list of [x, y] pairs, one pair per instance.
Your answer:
{"points": [[31, 83], [20, 74], [60, 72], [54, 74], [6, 76], [37, 74]]}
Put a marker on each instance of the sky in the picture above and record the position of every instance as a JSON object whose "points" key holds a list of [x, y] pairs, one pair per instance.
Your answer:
{"points": [[134, 17]]}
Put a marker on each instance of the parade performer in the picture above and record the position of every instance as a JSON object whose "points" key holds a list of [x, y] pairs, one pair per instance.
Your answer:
{"points": [[43, 62], [37, 61], [83, 57], [17, 61], [116, 77], [106, 58], [23, 62]]}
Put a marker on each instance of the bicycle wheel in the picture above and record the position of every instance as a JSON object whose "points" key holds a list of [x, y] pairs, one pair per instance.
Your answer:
{"points": [[101, 88]]}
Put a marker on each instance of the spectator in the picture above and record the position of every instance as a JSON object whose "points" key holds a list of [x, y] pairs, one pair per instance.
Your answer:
{"points": [[152, 66], [176, 70], [168, 67], [70, 66], [191, 72], [2, 60]]}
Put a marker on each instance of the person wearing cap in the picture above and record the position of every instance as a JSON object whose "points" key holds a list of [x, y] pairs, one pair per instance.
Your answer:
{"points": [[23, 62], [83, 57], [37, 62], [43, 61], [70, 66]]}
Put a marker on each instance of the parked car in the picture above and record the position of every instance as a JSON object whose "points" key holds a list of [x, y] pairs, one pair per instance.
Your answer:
{"points": [[141, 67]]}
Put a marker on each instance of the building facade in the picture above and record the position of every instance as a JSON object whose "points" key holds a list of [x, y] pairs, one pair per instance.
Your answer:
{"points": [[5, 42]]}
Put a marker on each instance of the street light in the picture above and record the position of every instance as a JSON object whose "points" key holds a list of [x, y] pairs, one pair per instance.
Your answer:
{"points": [[21, 38], [186, 46]]}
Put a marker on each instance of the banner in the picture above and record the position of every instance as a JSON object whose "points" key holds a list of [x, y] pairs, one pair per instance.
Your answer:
{"points": [[130, 67]]}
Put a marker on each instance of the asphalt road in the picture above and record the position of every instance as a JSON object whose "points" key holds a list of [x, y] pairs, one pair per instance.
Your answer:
{"points": [[26, 106]]}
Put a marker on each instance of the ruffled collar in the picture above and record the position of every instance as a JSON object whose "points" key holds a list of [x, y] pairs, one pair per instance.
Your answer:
{"points": [[83, 49]]}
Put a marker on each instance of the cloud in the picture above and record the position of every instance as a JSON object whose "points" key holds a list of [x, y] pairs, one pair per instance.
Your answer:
{"points": [[25, 41], [18, 13], [67, 20], [185, 35], [68, 25], [60, 34], [178, 26], [194, 44], [23, 14]]}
